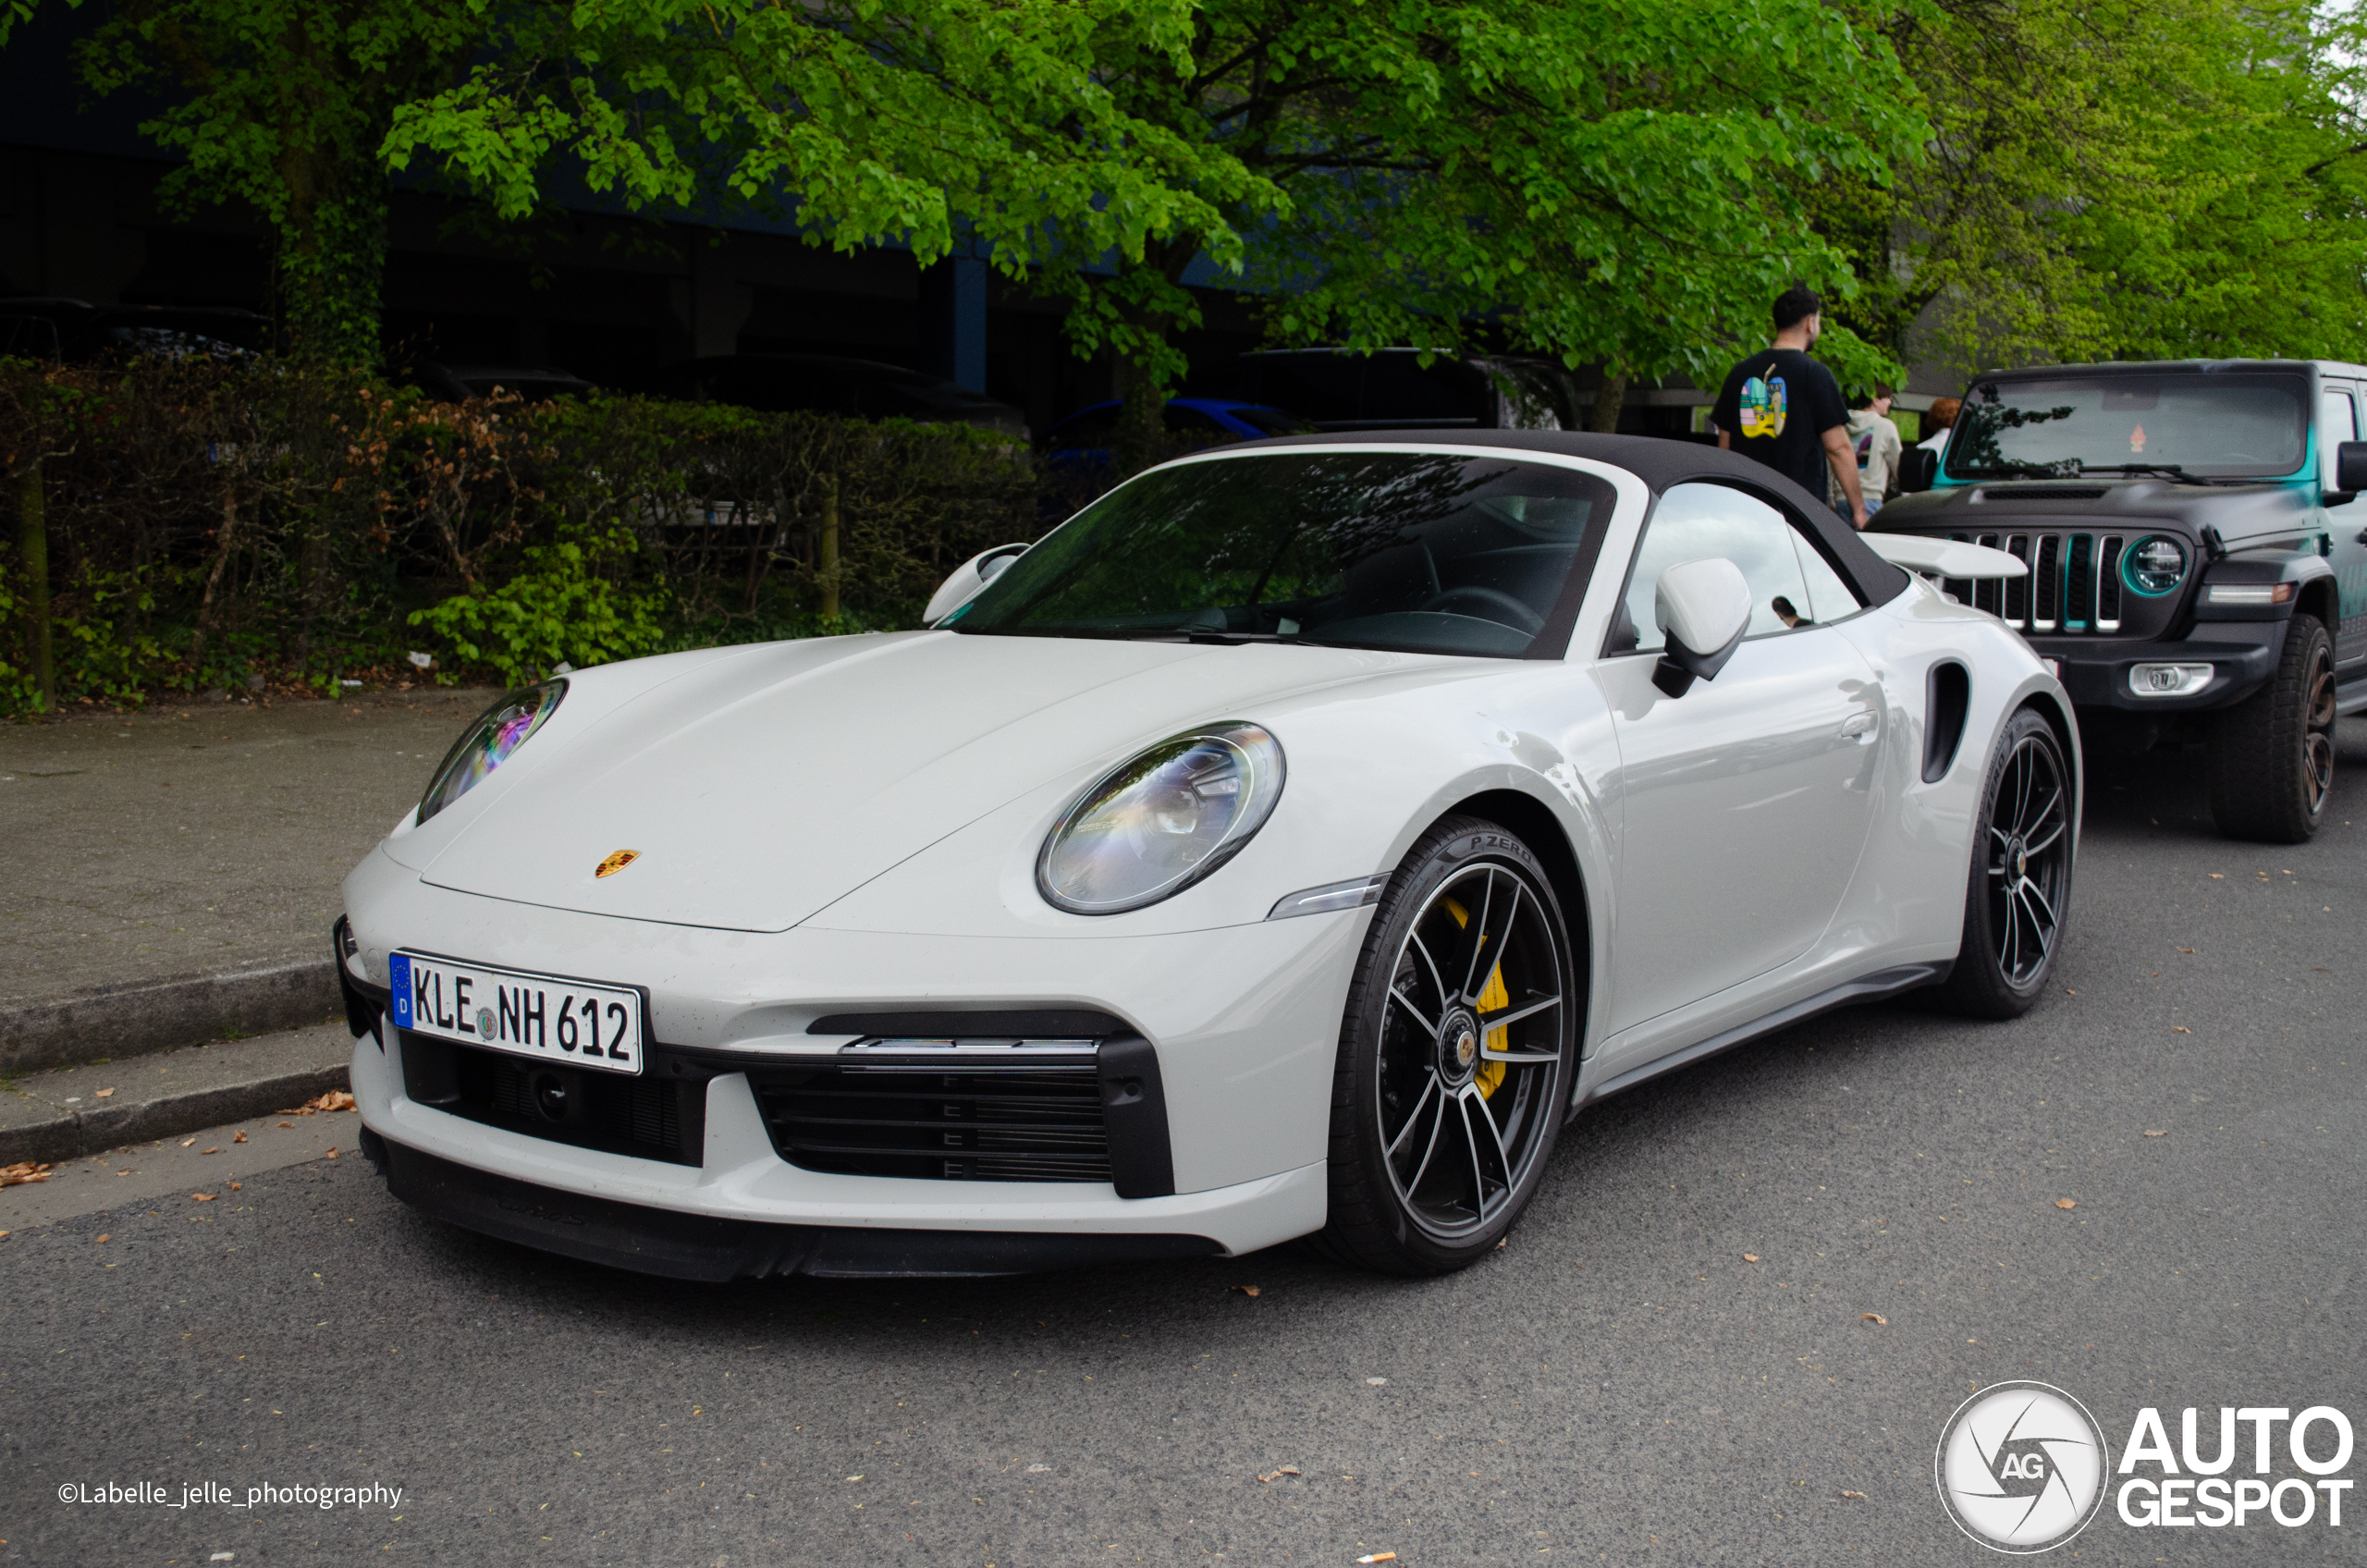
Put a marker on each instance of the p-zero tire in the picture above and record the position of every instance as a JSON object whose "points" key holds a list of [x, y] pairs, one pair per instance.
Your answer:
{"points": [[2272, 754], [2020, 884], [1456, 1055]]}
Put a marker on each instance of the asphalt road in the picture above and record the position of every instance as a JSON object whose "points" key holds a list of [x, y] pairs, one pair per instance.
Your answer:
{"points": [[1620, 1384]]}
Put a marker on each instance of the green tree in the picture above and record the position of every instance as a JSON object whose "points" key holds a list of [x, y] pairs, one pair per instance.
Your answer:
{"points": [[2115, 179], [1599, 181], [281, 105]]}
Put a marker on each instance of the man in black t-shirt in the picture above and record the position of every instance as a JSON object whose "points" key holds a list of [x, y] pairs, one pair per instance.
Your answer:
{"points": [[1782, 409]]}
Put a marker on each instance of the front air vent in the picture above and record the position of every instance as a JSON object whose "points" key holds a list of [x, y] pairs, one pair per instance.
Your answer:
{"points": [[2049, 492], [1947, 698], [2073, 586], [1036, 1120]]}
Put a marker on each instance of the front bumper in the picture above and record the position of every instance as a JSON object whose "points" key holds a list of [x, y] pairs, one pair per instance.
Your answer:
{"points": [[2242, 654], [742, 1211]]}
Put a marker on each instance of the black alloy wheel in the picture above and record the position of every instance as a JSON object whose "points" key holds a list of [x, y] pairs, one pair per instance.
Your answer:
{"points": [[1456, 1055], [2021, 875], [2272, 754]]}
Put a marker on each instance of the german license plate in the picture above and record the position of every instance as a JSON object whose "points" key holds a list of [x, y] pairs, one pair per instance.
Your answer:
{"points": [[568, 1022]]}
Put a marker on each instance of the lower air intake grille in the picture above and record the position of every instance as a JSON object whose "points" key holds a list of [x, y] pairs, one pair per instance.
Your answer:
{"points": [[651, 1118], [1040, 1122]]}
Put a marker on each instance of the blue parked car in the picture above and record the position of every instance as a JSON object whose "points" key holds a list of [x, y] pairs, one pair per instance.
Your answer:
{"points": [[1082, 440]]}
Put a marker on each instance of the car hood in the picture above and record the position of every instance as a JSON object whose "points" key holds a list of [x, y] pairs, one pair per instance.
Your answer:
{"points": [[759, 788]]}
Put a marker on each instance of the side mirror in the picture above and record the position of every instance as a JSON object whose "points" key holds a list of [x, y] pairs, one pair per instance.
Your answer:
{"points": [[2351, 467], [967, 578], [1703, 609], [1918, 467]]}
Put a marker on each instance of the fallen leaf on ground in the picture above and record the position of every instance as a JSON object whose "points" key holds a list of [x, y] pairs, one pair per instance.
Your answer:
{"points": [[2066, 1203], [336, 1099], [238, 1138], [4, 1235], [2157, 1132], [104, 1237], [209, 1151], [101, 1094], [236, 1188], [23, 1171], [1750, 1257], [1860, 1495], [1247, 1290], [287, 1125], [205, 1197], [1875, 1318], [2180, 1029], [2186, 950], [1277, 1475], [331, 1154], [1379, 1557]]}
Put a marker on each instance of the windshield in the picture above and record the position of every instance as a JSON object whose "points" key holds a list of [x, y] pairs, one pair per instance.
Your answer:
{"points": [[1402, 550], [2228, 427]]}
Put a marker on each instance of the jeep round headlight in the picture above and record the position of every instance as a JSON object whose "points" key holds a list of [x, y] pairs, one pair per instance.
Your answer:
{"points": [[1156, 825], [487, 743], [2154, 566]]}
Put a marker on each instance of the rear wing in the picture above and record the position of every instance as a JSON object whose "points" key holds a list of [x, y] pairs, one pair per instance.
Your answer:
{"points": [[1944, 557]]}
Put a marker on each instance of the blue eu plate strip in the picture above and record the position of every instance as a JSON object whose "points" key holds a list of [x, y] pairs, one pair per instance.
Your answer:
{"points": [[399, 982]]}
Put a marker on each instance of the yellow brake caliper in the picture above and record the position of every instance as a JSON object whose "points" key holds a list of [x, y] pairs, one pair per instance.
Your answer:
{"points": [[1493, 997]]}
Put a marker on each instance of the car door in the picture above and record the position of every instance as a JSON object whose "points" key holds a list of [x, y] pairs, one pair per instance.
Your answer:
{"points": [[2346, 535], [1745, 801]]}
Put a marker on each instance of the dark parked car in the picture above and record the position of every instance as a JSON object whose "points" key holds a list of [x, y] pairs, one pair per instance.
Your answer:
{"points": [[534, 383], [52, 327], [831, 385], [1391, 390], [1082, 438], [2192, 568]]}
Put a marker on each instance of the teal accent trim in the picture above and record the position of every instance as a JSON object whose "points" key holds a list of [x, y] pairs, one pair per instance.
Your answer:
{"points": [[2129, 555]]}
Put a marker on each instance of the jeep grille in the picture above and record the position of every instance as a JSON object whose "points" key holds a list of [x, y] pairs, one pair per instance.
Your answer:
{"points": [[2073, 586]]}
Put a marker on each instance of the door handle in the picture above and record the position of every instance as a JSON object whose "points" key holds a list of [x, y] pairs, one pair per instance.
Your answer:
{"points": [[1859, 723]]}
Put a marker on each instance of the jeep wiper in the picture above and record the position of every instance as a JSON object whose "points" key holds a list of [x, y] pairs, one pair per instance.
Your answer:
{"points": [[2013, 470], [2173, 470]]}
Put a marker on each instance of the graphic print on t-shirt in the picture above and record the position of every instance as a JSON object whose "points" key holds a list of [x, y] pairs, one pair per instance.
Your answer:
{"points": [[1762, 406]]}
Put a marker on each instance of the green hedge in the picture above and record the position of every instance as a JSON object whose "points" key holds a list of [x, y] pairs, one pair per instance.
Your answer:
{"points": [[200, 525]]}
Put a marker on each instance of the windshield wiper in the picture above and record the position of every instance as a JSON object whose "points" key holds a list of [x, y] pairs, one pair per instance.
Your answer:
{"points": [[2013, 470], [2172, 469]]}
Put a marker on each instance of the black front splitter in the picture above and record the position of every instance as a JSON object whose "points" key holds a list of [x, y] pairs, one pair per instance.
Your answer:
{"points": [[697, 1246]]}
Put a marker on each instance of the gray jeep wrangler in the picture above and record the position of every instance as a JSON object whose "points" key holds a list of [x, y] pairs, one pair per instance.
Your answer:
{"points": [[2194, 573]]}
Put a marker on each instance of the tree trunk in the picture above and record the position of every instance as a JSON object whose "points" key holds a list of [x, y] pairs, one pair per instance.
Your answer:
{"points": [[228, 542], [827, 567], [1609, 399], [32, 550], [331, 262], [1140, 439]]}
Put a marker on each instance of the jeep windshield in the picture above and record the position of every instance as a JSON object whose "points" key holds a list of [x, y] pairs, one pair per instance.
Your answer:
{"points": [[1418, 551], [2245, 427]]}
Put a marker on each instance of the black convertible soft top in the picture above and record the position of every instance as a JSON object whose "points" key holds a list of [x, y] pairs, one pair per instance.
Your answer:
{"points": [[1660, 463]]}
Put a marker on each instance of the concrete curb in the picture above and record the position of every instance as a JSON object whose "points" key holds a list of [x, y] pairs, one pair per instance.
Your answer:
{"points": [[59, 1116], [156, 1015]]}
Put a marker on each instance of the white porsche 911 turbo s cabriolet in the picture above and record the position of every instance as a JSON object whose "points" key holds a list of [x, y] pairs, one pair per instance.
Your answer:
{"points": [[1290, 844]]}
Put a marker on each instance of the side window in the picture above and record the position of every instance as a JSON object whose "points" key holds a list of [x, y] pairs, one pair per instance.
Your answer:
{"points": [[1791, 584], [2337, 423]]}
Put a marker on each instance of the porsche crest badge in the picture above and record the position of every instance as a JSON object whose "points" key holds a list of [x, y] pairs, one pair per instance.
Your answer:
{"points": [[616, 862]]}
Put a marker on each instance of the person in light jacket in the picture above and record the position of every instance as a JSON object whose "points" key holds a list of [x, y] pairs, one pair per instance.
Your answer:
{"points": [[1877, 444]]}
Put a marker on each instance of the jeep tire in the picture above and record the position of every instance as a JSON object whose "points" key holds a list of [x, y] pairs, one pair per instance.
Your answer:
{"points": [[2272, 754]]}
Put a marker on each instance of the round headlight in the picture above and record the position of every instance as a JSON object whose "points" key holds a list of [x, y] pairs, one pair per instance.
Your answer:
{"points": [[1157, 823], [2154, 566], [487, 743]]}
